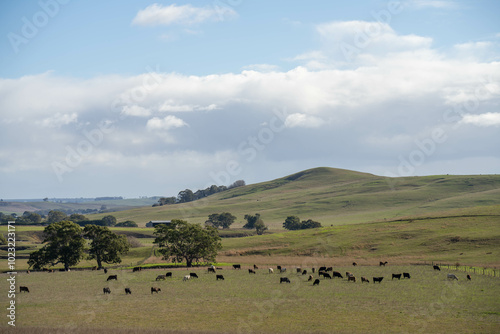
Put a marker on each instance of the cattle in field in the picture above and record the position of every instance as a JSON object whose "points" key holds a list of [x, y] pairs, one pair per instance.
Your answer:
{"points": [[377, 279], [255, 267], [452, 276], [284, 280], [211, 270], [337, 274], [316, 282], [299, 270], [364, 279], [313, 270], [187, 277], [310, 278], [155, 290], [326, 275], [271, 271], [193, 275], [304, 272], [278, 267], [436, 267], [24, 289], [112, 277], [94, 268], [236, 266], [406, 275], [218, 277], [169, 274], [106, 290], [283, 270], [383, 263], [468, 277], [398, 276], [161, 277], [322, 269], [251, 271], [329, 269], [354, 264], [136, 269], [105, 270], [128, 291], [348, 274], [351, 278]]}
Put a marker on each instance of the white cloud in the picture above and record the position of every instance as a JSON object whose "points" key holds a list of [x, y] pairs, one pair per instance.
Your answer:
{"points": [[136, 110], [157, 14], [166, 123], [171, 106], [261, 67], [303, 120], [483, 120], [59, 120]]}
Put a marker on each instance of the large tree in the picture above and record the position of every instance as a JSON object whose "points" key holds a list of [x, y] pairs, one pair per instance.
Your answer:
{"points": [[64, 244], [223, 220], [251, 220], [292, 223], [105, 245], [182, 241], [56, 216]]}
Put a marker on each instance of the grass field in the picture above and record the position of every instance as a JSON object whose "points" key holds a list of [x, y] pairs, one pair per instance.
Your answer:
{"points": [[247, 303]]}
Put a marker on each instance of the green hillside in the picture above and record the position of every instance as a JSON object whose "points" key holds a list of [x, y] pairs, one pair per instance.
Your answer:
{"points": [[333, 197]]}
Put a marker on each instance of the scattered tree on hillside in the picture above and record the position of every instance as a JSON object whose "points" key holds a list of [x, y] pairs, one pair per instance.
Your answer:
{"points": [[55, 216], [223, 220], [108, 220], [105, 245], [237, 183], [251, 220], [77, 217], [128, 223], [65, 244], [260, 227], [180, 241], [294, 223], [185, 196]]}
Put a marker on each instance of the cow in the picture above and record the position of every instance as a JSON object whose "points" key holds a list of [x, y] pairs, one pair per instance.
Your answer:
{"points": [[377, 279], [27, 272], [398, 276], [168, 274], [24, 288], [313, 270], [310, 278], [452, 276], [354, 264], [94, 268], [160, 277], [193, 275], [299, 270], [436, 267], [278, 267], [468, 277], [271, 271], [187, 277], [351, 278], [251, 271], [218, 277], [283, 270], [304, 272], [211, 270], [128, 291], [406, 275], [329, 269], [105, 270], [383, 263], [322, 269], [327, 275], [155, 290], [106, 290], [236, 266], [284, 279], [255, 267], [136, 269], [337, 274], [348, 274], [112, 277], [364, 279], [316, 282]]}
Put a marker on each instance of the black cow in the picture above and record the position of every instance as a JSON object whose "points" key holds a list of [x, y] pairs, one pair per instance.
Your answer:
{"points": [[383, 263], [218, 277], [327, 275], [354, 264], [299, 270], [155, 290], [193, 275], [24, 288], [255, 267], [468, 277], [169, 274], [377, 279], [316, 282], [136, 269], [105, 270], [237, 266], [364, 279], [111, 277], [278, 267], [337, 274], [398, 276], [251, 271], [322, 269], [329, 269], [304, 272], [128, 291], [160, 277], [284, 279], [211, 270], [106, 290], [436, 267], [406, 275], [310, 278]]}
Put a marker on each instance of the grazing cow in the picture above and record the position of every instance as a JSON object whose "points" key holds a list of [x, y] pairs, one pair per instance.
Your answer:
{"points": [[322, 269], [452, 276], [278, 267], [160, 277], [316, 282], [105, 270], [211, 270], [299, 270], [436, 267], [283, 270], [348, 274], [255, 267], [406, 275], [304, 272], [94, 268], [128, 291], [468, 277], [111, 277], [364, 279], [327, 275], [351, 278], [218, 277], [329, 269], [251, 271], [193, 275], [377, 279], [106, 290], [313, 270], [187, 277], [354, 264], [383, 263], [310, 278], [337, 274], [284, 279], [169, 274], [398, 276], [136, 269], [271, 271], [24, 288], [236, 266], [155, 290]]}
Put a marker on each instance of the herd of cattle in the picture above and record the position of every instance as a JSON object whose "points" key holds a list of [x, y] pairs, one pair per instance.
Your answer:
{"points": [[325, 272]]}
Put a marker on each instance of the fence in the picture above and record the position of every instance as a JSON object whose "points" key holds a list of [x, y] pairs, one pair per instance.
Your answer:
{"points": [[475, 270]]}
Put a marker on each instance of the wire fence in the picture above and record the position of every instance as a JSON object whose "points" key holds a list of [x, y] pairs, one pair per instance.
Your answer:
{"points": [[476, 270]]}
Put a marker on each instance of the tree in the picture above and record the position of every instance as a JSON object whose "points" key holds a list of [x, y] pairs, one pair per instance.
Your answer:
{"points": [[180, 241], [310, 224], [292, 223], [108, 221], [260, 227], [223, 220], [185, 196], [237, 183], [251, 220], [128, 223], [65, 244], [56, 216], [105, 245], [77, 217]]}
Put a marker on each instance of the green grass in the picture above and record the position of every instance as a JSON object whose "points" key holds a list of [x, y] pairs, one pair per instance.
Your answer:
{"points": [[258, 303]]}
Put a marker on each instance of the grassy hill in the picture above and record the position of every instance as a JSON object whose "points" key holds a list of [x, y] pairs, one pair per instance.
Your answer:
{"points": [[333, 197]]}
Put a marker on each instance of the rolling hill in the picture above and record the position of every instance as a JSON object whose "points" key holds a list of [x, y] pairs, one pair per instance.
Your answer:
{"points": [[333, 197]]}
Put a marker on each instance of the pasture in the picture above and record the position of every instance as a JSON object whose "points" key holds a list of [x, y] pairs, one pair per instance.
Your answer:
{"points": [[257, 303]]}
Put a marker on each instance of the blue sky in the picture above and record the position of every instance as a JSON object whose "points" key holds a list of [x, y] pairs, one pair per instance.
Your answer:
{"points": [[142, 98]]}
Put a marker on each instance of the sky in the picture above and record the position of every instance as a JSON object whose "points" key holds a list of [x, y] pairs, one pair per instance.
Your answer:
{"points": [[145, 98]]}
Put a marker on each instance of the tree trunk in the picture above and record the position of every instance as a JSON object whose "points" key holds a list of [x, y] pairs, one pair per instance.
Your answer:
{"points": [[189, 263]]}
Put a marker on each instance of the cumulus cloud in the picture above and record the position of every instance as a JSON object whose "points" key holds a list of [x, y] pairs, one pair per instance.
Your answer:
{"points": [[136, 110], [59, 120], [483, 120], [303, 120], [166, 123], [157, 14]]}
